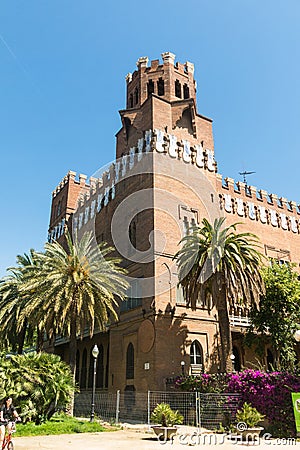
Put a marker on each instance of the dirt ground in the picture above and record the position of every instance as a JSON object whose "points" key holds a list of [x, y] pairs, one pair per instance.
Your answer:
{"points": [[132, 439]]}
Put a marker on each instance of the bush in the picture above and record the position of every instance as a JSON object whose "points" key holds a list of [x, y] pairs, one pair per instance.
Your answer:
{"points": [[268, 392], [249, 415], [165, 416], [39, 383]]}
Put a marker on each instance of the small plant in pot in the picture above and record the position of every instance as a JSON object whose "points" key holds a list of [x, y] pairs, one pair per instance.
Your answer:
{"points": [[248, 419], [166, 420]]}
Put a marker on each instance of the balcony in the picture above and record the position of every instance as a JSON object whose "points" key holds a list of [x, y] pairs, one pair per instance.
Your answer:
{"points": [[239, 321]]}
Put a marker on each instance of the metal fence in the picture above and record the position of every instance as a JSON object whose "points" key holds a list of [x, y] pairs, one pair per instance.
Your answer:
{"points": [[217, 411], [205, 411]]}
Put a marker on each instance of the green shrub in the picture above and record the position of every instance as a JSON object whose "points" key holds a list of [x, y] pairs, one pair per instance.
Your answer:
{"points": [[249, 415], [165, 416], [39, 383]]}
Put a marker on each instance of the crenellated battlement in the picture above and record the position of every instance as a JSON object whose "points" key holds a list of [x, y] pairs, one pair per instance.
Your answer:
{"points": [[258, 205], [252, 192], [73, 177], [169, 80], [235, 197]]}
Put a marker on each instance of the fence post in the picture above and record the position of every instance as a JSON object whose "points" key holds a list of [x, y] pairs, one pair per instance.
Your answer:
{"points": [[148, 406], [118, 406], [198, 410]]}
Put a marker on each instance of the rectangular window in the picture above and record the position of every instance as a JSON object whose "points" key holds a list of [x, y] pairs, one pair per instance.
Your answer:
{"points": [[134, 299]]}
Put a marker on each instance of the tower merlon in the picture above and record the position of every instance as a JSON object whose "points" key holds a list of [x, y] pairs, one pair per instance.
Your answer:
{"points": [[128, 77], [142, 62], [71, 174], [190, 68], [168, 58], [82, 178]]}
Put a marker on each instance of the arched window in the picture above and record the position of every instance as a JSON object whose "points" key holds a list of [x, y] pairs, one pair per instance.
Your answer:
{"points": [[237, 359], [83, 369], [131, 101], [132, 233], [196, 354], [130, 362], [150, 87], [136, 96], [106, 367], [100, 368], [161, 87], [177, 89], [186, 91], [77, 366], [58, 208]]}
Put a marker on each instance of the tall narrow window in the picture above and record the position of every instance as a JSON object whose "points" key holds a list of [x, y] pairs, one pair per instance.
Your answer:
{"points": [[131, 101], [185, 226], [83, 370], [161, 87], [186, 91], [136, 96], [130, 362], [177, 89], [237, 359], [132, 233], [77, 366], [150, 87], [106, 367], [100, 368], [196, 354], [58, 208]]}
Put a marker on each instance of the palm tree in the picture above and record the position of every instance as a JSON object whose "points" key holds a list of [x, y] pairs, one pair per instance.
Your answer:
{"points": [[74, 288], [220, 261], [14, 327]]}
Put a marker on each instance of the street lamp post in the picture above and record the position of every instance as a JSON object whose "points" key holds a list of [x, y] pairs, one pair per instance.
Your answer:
{"points": [[182, 367], [232, 357], [95, 353]]}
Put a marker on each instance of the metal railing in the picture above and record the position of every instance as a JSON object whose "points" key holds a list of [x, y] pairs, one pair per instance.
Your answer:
{"points": [[204, 411]]}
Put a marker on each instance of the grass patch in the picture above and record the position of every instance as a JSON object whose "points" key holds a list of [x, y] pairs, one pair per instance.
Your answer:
{"points": [[61, 424]]}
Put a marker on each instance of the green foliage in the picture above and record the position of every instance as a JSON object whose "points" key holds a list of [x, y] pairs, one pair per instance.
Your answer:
{"points": [[61, 424], [40, 384], [249, 415], [278, 314], [204, 383], [15, 331], [74, 288], [165, 416], [62, 291], [217, 260]]}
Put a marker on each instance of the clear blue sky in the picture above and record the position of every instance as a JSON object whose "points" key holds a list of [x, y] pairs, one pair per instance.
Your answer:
{"points": [[63, 64]]}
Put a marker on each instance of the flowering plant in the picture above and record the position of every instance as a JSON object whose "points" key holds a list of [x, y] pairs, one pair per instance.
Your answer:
{"points": [[268, 392]]}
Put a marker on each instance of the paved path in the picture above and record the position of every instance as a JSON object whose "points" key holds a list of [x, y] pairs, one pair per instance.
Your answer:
{"points": [[134, 440]]}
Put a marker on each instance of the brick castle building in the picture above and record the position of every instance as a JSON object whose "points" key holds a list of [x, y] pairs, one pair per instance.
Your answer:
{"points": [[163, 180]]}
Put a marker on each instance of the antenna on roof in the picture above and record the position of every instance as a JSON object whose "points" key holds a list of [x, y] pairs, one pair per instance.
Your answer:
{"points": [[244, 175]]}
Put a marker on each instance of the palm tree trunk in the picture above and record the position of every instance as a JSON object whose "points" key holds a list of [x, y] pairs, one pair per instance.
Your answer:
{"points": [[224, 324], [72, 359], [39, 340], [21, 338]]}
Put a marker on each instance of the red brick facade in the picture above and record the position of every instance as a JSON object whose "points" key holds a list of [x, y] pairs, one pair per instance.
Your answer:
{"points": [[164, 178]]}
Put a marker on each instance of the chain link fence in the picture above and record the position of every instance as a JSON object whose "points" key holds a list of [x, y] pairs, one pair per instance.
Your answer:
{"points": [[204, 411]]}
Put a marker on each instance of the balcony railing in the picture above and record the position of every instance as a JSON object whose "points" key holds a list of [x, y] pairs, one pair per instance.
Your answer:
{"points": [[239, 321]]}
